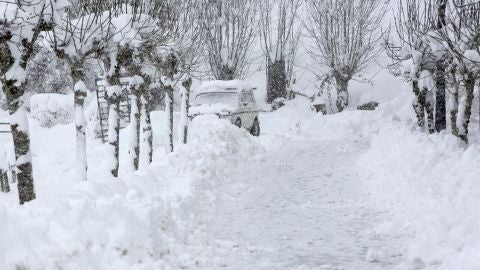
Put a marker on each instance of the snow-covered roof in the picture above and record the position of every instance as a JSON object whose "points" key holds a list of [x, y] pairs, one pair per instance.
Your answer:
{"points": [[218, 85]]}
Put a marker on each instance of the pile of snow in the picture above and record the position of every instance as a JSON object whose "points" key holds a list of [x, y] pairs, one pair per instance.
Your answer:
{"points": [[430, 185], [52, 109], [144, 221]]}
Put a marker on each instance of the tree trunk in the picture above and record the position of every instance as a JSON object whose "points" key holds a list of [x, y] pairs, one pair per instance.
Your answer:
{"points": [[226, 73], [342, 93], [183, 126], [169, 118], [430, 109], [21, 139], [2, 182], [469, 83], [147, 137], [81, 146], [276, 81], [440, 101], [114, 131], [77, 74], [454, 104], [418, 104], [6, 184]]}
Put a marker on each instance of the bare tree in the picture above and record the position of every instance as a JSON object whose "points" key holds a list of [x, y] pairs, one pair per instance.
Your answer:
{"points": [[459, 36], [412, 55], [345, 35], [229, 31], [280, 35]]}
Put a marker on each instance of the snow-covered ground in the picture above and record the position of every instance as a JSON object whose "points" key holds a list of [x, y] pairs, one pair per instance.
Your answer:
{"points": [[355, 190]]}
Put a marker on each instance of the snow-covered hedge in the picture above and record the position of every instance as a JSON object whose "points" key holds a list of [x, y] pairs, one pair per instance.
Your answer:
{"points": [[52, 109], [431, 183]]}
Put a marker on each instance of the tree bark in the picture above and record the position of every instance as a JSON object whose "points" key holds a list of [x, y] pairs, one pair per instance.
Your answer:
{"points": [[6, 184], [147, 151], [114, 131], [183, 130], [276, 81], [454, 106], [21, 139], [469, 81], [81, 146], [440, 101], [342, 93], [429, 109], [169, 114], [418, 104]]}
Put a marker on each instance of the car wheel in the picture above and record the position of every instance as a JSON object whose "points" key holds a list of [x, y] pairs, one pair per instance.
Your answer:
{"points": [[238, 122], [255, 130]]}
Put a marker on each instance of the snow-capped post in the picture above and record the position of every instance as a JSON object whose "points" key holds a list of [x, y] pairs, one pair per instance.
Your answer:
{"points": [[81, 145], [334, 23], [280, 35], [183, 126]]}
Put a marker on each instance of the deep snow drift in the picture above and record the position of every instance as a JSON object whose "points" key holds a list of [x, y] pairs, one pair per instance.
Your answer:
{"points": [[412, 198], [143, 221]]}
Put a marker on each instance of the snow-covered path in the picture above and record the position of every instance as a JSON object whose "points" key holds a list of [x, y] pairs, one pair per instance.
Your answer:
{"points": [[301, 208]]}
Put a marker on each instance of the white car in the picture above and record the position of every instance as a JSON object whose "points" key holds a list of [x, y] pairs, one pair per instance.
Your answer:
{"points": [[233, 100]]}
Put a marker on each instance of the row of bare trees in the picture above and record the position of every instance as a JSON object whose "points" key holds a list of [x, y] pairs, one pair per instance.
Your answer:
{"points": [[435, 45], [128, 38]]}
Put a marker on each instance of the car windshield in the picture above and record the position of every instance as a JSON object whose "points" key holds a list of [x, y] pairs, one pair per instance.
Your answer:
{"points": [[217, 98]]}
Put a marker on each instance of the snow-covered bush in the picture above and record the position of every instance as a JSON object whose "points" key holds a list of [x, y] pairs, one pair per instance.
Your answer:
{"points": [[52, 109]]}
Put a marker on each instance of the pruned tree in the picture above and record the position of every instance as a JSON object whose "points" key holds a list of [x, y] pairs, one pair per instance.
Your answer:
{"points": [[412, 55], [20, 25], [345, 37], [178, 61], [229, 32], [280, 32], [460, 37]]}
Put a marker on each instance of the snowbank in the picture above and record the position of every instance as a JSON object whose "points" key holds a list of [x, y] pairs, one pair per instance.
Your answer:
{"points": [[52, 109], [430, 184], [145, 221]]}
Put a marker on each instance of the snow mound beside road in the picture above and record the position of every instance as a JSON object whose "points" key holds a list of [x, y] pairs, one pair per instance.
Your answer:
{"points": [[430, 184], [145, 221]]}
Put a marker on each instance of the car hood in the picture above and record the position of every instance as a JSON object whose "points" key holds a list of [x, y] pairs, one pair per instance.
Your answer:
{"points": [[211, 109]]}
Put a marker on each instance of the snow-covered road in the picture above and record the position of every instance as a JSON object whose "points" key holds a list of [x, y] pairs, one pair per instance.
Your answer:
{"points": [[301, 207]]}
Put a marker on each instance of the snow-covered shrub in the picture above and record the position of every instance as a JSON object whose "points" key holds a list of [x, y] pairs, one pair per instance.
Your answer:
{"points": [[52, 109], [48, 74]]}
